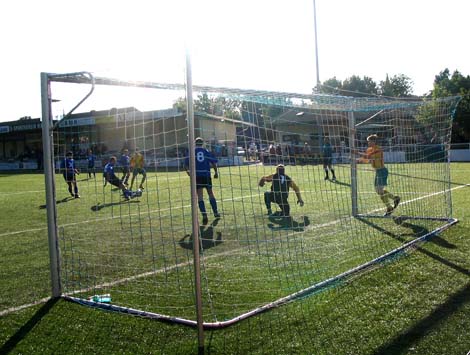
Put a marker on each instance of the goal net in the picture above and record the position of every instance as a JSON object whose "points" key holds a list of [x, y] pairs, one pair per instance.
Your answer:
{"points": [[133, 251]]}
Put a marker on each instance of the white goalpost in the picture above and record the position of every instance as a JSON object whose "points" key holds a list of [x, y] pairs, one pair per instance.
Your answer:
{"points": [[167, 255]]}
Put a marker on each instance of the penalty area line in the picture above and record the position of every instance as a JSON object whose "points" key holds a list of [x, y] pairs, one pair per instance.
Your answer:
{"points": [[24, 306]]}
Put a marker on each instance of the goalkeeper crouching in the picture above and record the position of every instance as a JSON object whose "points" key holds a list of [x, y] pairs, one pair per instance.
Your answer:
{"points": [[281, 183]]}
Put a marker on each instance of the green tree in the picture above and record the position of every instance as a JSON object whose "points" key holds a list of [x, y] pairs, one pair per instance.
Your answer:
{"points": [[214, 105], [204, 103], [357, 86], [352, 86], [446, 84], [397, 86], [331, 86], [180, 104], [227, 107]]}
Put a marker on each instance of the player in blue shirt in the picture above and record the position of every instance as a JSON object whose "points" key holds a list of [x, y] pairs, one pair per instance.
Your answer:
{"points": [[125, 162], [91, 163], [69, 171], [111, 177], [327, 152], [204, 162]]}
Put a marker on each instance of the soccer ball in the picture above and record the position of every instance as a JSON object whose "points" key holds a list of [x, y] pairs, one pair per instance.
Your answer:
{"points": [[138, 193]]}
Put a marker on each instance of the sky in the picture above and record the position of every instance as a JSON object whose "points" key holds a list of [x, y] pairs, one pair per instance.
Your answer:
{"points": [[250, 44]]}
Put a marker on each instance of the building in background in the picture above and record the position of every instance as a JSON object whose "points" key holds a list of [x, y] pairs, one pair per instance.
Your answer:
{"points": [[159, 134], [20, 140]]}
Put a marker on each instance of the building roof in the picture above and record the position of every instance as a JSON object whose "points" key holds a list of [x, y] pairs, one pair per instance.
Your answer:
{"points": [[223, 119], [23, 124]]}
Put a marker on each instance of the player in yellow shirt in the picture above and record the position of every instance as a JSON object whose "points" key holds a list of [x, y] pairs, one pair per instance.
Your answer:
{"points": [[138, 167], [375, 156]]}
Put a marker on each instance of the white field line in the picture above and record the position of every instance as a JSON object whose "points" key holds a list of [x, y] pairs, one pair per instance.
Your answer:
{"points": [[135, 214], [149, 273], [371, 192], [82, 185], [87, 184], [224, 200], [116, 217], [21, 192], [24, 306], [151, 211], [23, 231]]}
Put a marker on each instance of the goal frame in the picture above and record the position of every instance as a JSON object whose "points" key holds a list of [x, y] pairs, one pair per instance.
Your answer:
{"points": [[48, 126]]}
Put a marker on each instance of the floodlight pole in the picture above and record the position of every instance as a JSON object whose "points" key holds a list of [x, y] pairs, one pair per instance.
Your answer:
{"points": [[48, 158], [194, 203], [316, 45]]}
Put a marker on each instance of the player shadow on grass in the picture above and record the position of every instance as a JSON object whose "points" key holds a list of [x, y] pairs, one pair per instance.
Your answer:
{"points": [[405, 340], [287, 223], [209, 237], [66, 199], [100, 206], [113, 189], [337, 182], [428, 179], [416, 231], [27, 327]]}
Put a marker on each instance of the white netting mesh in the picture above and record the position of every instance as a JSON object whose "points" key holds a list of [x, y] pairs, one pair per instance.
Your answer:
{"points": [[140, 251]]}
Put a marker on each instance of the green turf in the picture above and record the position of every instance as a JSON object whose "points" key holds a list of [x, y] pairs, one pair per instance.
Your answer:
{"points": [[410, 305]]}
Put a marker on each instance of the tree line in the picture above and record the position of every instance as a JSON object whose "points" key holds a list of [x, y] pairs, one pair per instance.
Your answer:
{"points": [[445, 84]]}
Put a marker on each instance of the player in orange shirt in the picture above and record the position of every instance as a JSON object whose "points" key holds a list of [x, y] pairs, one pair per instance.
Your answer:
{"points": [[375, 156]]}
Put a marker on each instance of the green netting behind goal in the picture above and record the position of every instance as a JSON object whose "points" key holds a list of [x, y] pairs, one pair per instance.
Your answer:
{"points": [[140, 251]]}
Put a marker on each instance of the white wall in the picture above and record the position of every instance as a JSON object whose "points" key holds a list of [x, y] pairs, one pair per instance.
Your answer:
{"points": [[459, 154], [394, 157]]}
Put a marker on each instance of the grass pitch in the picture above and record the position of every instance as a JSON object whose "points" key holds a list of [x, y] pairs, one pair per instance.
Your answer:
{"points": [[405, 306]]}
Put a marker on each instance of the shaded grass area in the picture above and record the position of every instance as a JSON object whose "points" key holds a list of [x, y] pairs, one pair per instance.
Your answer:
{"points": [[418, 304]]}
